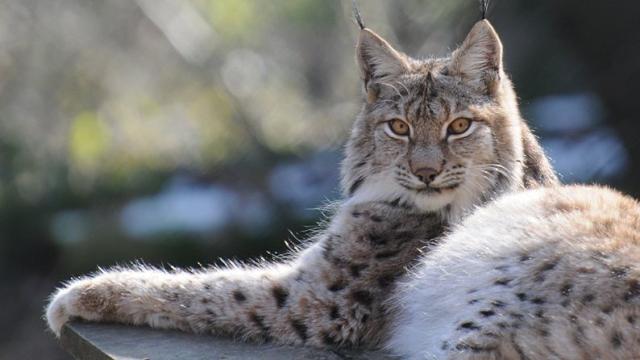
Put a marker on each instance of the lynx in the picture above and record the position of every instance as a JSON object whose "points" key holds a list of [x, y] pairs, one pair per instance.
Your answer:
{"points": [[423, 255]]}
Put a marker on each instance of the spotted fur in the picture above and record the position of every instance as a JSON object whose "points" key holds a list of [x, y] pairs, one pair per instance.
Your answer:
{"points": [[335, 291], [542, 274]]}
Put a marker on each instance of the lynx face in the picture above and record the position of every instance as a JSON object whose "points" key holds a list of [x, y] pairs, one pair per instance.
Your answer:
{"points": [[437, 134]]}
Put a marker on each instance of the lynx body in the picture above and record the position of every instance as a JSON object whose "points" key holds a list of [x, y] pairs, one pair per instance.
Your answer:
{"points": [[435, 140]]}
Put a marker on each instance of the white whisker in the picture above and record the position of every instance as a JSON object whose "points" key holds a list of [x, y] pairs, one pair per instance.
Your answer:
{"points": [[394, 88]]}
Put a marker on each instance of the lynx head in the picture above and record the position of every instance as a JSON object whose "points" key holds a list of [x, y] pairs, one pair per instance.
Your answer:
{"points": [[440, 135]]}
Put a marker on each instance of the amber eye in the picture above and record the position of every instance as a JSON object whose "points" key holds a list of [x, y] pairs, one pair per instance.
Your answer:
{"points": [[399, 127], [458, 126]]}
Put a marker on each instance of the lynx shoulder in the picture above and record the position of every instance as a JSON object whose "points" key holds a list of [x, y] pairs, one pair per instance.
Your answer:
{"points": [[541, 274]]}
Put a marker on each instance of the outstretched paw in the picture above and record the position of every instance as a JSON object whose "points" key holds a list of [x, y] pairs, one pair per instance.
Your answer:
{"points": [[79, 299], [61, 308]]}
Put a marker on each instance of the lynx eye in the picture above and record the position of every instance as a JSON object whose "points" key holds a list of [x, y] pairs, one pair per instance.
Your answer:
{"points": [[458, 126], [399, 127]]}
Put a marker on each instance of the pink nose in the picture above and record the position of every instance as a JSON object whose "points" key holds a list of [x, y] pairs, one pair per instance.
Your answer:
{"points": [[426, 175]]}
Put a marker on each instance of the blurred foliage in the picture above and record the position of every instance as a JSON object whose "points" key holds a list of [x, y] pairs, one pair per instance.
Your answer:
{"points": [[152, 109]]}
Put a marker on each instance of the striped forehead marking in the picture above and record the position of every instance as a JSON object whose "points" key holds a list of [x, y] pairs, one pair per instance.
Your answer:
{"points": [[422, 103]]}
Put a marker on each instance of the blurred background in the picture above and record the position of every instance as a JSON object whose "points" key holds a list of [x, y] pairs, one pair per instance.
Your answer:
{"points": [[177, 132]]}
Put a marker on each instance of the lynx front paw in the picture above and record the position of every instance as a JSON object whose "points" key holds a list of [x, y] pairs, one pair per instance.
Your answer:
{"points": [[80, 299], [61, 308]]}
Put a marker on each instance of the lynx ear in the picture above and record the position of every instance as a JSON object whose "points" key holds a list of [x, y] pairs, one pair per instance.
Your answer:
{"points": [[479, 58], [377, 61]]}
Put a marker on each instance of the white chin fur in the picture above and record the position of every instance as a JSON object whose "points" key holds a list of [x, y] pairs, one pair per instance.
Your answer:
{"points": [[433, 201], [458, 202], [385, 188]]}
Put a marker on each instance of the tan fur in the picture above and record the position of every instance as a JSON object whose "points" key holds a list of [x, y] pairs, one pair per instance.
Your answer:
{"points": [[577, 295], [334, 291]]}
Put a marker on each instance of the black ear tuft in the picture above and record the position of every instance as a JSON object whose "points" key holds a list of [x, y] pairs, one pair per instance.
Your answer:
{"points": [[356, 14], [484, 7]]}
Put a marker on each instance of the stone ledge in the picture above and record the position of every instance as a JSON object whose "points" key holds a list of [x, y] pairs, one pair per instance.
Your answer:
{"points": [[93, 341]]}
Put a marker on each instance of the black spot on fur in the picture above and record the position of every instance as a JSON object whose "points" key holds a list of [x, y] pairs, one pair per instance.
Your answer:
{"points": [[204, 300], [474, 348], [548, 266], [328, 339], [207, 287], [631, 319], [356, 184], [375, 218], [300, 328], [616, 339], [516, 316], [468, 325], [619, 272], [377, 239], [543, 332], [239, 296], [356, 269], [521, 296], [211, 312], [280, 294], [540, 313], [337, 286], [334, 312], [487, 313], [258, 321], [633, 290], [385, 281], [588, 298], [498, 303], [503, 281], [387, 254], [362, 296], [525, 257], [566, 289], [396, 202], [538, 301]]}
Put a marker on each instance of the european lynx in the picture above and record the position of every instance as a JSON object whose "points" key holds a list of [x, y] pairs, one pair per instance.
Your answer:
{"points": [[435, 138]]}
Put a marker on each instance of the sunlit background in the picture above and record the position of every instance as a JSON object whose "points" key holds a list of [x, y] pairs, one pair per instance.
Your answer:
{"points": [[178, 132]]}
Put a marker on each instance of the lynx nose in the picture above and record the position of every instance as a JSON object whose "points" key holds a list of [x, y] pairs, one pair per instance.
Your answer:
{"points": [[427, 174]]}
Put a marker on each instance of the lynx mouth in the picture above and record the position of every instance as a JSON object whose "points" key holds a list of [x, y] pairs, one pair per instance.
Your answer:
{"points": [[438, 190], [432, 190]]}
